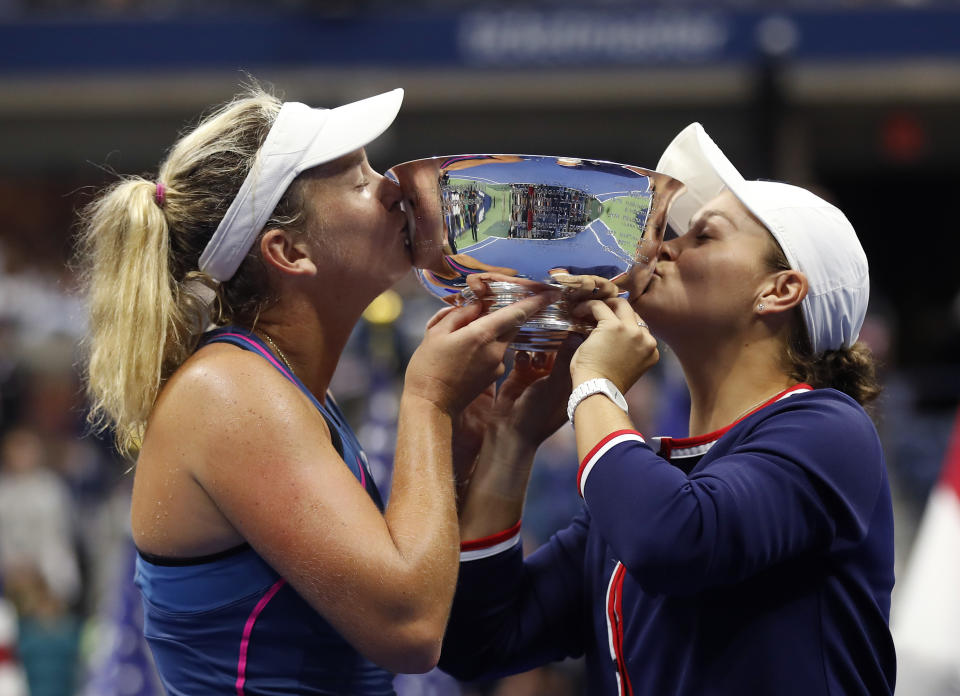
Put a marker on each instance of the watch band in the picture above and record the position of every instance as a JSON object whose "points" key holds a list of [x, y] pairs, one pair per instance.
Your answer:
{"points": [[591, 387]]}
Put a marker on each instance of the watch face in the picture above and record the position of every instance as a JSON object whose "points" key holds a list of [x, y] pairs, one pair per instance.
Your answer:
{"points": [[610, 389]]}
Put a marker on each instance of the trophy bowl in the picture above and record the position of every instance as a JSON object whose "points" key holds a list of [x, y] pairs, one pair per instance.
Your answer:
{"points": [[532, 218]]}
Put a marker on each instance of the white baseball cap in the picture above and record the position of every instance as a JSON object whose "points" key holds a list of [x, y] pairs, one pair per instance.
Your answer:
{"points": [[301, 138], [815, 236]]}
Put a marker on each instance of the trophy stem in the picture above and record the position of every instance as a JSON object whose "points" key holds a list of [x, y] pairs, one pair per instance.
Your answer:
{"points": [[543, 332]]}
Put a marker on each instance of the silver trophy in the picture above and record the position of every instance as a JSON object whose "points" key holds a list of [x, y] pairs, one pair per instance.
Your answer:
{"points": [[530, 219]]}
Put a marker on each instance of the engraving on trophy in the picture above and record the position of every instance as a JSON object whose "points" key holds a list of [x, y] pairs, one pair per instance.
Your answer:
{"points": [[530, 217]]}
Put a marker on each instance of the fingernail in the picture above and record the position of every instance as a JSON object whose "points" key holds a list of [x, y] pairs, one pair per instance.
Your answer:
{"points": [[566, 279]]}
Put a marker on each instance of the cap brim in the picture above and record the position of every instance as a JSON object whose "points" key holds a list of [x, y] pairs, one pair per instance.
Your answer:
{"points": [[705, 171], [352, 126]]}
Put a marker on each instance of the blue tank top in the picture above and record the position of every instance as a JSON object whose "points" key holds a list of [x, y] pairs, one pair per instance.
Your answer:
{"points": [[230, 624]]}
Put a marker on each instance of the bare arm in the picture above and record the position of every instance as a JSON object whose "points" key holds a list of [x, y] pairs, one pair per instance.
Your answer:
{"points": [[528, 408], [264, 457]]}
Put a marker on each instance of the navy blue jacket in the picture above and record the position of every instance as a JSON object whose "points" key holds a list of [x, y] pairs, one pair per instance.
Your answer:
{"points": [[759, 562]]}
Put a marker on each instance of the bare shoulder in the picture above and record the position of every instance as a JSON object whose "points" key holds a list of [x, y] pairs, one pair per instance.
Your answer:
{"points": [[221, 375], [227, 401], [215, 414]]}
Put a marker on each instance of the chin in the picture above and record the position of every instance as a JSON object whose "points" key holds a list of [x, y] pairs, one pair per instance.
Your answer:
{"points": [[393, 276], [643, 305], [655, 315]]}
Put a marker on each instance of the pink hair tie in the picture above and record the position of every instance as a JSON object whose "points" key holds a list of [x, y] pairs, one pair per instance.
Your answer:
{"points": [[161, 194]]}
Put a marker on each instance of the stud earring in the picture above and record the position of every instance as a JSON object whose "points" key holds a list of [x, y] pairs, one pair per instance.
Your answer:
{"points": [[760, 307]]}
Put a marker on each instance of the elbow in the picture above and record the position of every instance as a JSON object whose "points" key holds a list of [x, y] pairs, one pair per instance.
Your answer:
{"points": [[416, 660], [411, 649], [401, 626]]}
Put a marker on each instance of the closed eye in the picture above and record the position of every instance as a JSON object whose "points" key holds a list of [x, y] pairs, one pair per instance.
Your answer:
{"points": [[699, 231]]}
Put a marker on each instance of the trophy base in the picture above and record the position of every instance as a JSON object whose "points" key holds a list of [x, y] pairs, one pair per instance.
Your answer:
{"points": [[546, 330]]}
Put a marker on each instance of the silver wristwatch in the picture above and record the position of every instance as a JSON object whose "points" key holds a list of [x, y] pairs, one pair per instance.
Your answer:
{"points": [[595, 386]]}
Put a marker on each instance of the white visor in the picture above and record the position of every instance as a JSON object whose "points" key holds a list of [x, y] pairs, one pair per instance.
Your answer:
{"points": [[301, 138], [815, 236]]}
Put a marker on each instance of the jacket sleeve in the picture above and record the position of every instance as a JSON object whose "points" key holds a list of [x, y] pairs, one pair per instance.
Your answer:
{"points": [[510, 615], [803, 478]]}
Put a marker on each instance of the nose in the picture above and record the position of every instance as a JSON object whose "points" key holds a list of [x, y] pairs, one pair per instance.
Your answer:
{"points": [[390, 193], [669, 250]]}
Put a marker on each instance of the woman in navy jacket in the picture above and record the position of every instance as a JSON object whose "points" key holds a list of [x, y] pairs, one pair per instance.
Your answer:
{"points": [[754, 557]]}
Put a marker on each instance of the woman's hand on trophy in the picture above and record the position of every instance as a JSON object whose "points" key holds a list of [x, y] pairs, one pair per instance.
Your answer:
{"points": [[462, 352], [620, 348], [509, 423], [531, 402], [579, 288], [479, 284]]}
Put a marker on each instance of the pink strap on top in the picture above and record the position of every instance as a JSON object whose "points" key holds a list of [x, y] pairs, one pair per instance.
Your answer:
{"points": [[264, 353], [248, 629]]}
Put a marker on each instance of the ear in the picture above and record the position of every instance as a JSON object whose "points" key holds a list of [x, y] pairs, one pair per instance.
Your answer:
{"points": [[282, 254], [785, 290]]}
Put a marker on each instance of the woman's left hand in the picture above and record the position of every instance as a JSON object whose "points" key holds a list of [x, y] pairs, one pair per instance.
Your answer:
{"points": [[531, 402], [620, 348], [527, 408], [528, 401]]}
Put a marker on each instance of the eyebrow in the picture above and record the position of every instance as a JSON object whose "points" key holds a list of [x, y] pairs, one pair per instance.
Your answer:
{"points": [[357, 158], [709, 214]]}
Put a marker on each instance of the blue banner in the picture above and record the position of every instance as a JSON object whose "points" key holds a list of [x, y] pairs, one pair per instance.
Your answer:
{"points": [[479, 39]]}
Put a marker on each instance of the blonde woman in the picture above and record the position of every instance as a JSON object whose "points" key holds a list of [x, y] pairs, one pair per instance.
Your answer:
{"points": [[267, 563]]}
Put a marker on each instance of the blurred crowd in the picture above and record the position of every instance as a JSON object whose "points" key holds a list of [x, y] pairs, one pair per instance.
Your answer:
{"points": [[61, 494]]}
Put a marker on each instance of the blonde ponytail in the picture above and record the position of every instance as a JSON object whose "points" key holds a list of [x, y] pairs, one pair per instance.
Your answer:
{"points": [[139, 263], [132, 306]]}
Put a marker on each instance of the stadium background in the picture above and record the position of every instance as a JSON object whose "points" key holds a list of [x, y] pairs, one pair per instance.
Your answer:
{"points": [[859, 100]]}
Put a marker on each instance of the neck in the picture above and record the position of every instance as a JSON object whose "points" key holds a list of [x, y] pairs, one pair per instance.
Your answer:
{"points": [[728, 381], [311, 339]]}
